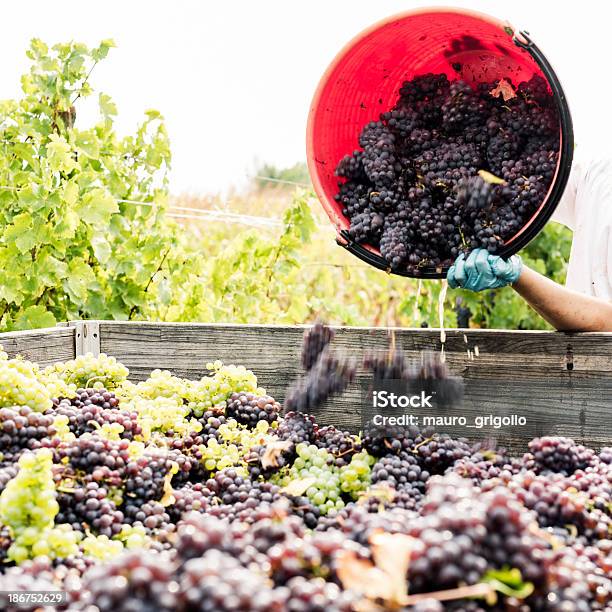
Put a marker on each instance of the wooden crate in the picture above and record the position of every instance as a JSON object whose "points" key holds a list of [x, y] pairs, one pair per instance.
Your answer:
{"points": [[561, 382]]}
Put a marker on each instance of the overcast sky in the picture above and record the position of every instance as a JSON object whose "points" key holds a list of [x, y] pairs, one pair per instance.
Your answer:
{"points": [[234, 78]]}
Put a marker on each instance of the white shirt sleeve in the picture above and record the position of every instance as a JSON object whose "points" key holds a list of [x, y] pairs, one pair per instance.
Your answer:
{"points": [[586, 208], [565, 212]]}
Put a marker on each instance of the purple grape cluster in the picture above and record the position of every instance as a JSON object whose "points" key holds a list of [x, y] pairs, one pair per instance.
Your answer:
{"points": [[559, 454], [297, 427], [249, 409], [22, 428], [341, 444], [413, 189], [328, 377], [93, 408], [400, 471], [88, 507], [315, 340]]}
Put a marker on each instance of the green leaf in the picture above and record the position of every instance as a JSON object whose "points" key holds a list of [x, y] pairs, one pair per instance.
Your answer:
{"points": [[71, 193], [49, 269], [60, 155], [21, 232], [107, 106], [102, 50], [101, 248], [34, 317], [10, 285], [509, 582], [88, 144], [96, 207], [79, 280]]}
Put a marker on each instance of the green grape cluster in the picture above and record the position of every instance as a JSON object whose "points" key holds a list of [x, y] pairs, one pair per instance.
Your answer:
{"points": [[87, 369], [56, 386], [162, 383], [28, 507], [198, 395], [315, 468], [356, 476], [133, 536], [244, 438], [28, 500], [214, 390], [19, 385], [216, 456], [231, 445], [54, 542], [163, 415], [101, 547]]}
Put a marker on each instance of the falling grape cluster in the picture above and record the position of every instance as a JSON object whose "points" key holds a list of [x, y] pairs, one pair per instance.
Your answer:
{"points": [[451, 167], [182, 495]]}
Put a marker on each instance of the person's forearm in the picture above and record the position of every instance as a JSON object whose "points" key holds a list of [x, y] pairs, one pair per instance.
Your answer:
{"points": [[563, 308]]}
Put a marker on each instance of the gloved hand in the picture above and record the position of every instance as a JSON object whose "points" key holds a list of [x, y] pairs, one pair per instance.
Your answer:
{"points": [[482, 270]]}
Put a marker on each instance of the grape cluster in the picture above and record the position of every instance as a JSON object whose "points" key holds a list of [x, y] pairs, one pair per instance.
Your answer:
{"points": [[440, 451], [146, 475], [413, 189], [481, 465], [102, 459], [192, 497], [400, 472], [249, 409], [328, 377], [307, 556], [387, 365], [20, 385], [217, 581], [341, 444], [137, 580], [211, 421], [87, 369], [559, 454], [239, 498], [91, 409], [22, 428], [297, 427], [318, 595], [393, 364], [315, 467], [292, 516], [314, 342], [391, 440], [89, 508]]}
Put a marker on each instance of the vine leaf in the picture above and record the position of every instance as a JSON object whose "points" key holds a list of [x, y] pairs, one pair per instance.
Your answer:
{"points": [[168, 497], [97, 206], [273, 452], [504, 89], [509, 582], [299, 487], [386, 577], [491, 178], [362, 576]]}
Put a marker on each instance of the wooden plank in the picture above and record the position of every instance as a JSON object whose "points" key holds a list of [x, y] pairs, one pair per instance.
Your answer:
{"points": [[44, 346], [561, 382]]}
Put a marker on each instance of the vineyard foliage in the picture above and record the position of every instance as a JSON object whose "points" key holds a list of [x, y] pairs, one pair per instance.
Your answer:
{"points": [[85, 232]]}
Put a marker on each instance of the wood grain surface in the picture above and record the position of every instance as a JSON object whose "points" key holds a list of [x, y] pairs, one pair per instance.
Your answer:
{"points": [[44, 346], [562, 383]]}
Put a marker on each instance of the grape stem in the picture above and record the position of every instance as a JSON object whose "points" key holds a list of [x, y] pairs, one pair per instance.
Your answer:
{"points": [[477, 590]]}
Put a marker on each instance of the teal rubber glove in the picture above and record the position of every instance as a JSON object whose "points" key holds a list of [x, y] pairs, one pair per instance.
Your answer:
{"points": [[482, 270]]}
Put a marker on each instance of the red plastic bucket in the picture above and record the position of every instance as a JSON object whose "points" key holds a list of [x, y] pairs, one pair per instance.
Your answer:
{"points": [[364, 78]]}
